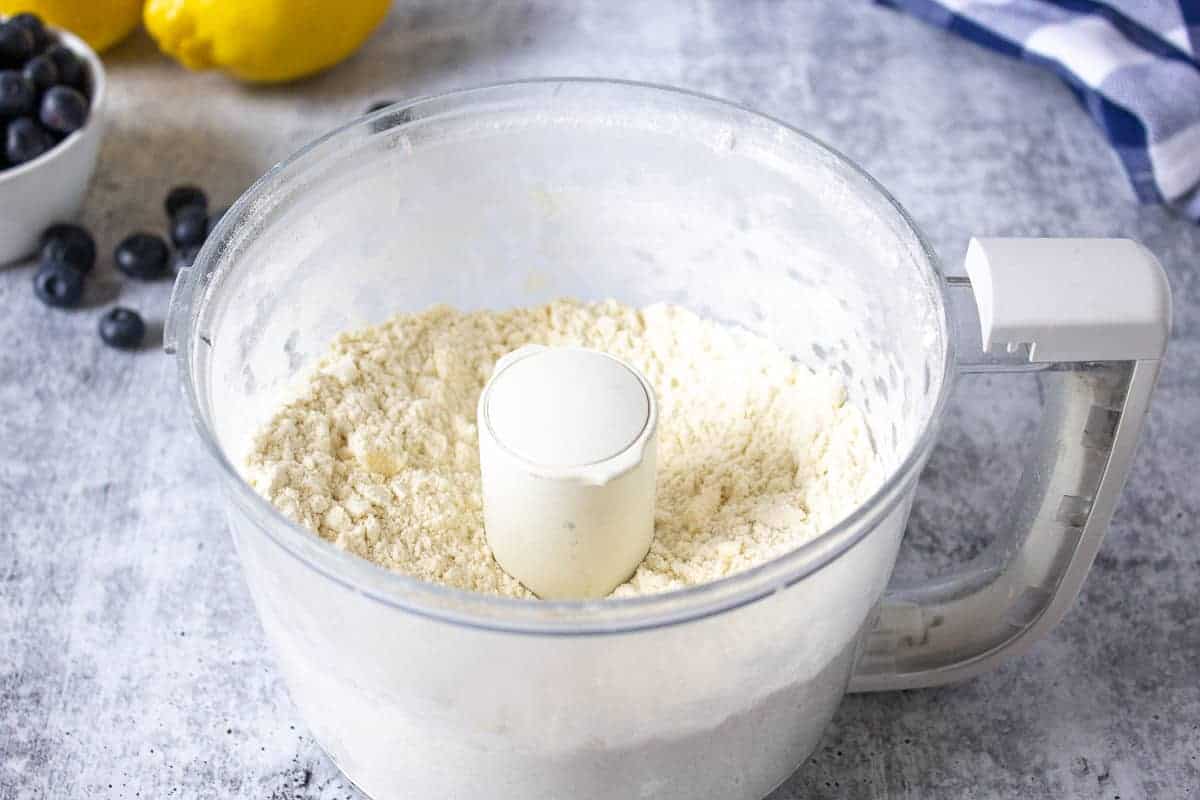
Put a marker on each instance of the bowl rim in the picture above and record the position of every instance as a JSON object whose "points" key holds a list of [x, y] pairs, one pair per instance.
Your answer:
{"points": [[571, 618], [95, 106]]}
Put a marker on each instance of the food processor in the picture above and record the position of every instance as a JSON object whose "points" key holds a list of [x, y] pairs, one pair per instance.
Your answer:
{"points": [[516, 194]]}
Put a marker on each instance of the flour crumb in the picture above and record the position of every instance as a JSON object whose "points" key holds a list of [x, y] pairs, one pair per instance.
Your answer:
{"points": [[378, 452]]}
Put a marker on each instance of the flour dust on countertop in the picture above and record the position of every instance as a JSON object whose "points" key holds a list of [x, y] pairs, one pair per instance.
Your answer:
{"points": [[377, 452]]}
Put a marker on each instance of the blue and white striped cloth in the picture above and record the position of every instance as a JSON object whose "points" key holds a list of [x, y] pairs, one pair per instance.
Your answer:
{"points": [[1133, 64]]}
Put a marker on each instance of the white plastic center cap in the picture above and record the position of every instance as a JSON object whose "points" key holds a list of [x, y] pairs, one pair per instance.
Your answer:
{"points": [[566, 449]]}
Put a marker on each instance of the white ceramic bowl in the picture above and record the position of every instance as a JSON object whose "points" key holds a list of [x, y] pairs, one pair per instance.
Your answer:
{"points": [[51, 188]]}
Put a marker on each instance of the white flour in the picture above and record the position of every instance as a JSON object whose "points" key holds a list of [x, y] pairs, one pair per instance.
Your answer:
{"points": [[378, 451]]}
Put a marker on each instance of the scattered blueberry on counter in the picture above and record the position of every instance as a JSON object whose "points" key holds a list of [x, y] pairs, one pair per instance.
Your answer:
{"points": [[184, 257], [142, 256], [388, 121], [181, 197], [123, 328], [189, 226], [70, 245], [58, 284], [67, 253], [44, 90], [189, 222], [215, 217]]}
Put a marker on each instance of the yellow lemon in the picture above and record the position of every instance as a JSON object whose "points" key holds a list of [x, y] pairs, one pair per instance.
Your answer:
{"points": [[262, 40], [100, 23]]}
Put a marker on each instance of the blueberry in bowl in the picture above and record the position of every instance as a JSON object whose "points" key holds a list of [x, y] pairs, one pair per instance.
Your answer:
{"points": [[17, 94], [25, 140], [52, 95], [62, 110]]}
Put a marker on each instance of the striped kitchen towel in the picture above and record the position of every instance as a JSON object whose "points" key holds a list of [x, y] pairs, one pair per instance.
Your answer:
{"points": [[1133, 64]]}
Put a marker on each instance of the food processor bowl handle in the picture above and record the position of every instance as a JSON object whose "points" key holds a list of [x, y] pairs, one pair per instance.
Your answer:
{"points": [[1093, 317]]}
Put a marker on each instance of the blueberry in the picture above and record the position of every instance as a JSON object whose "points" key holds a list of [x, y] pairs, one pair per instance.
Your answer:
{"points": [[184, 257], [142, 255], [70, 245], [37, 29], [63, 109], [70, 69], [16, 45], [123, 328], [41, 72], [379, 105], [16, 94], [26, 140], [389, 121], [59, 285], [189, 226], [182, 196]]}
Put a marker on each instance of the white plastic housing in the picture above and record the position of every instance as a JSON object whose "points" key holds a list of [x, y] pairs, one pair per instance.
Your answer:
{"points": [[1070, 299], [514, 195], [1096, 314]]}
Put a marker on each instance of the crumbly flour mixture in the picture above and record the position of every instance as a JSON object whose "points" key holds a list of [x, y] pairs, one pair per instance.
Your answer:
{"points": [[378, 451]]}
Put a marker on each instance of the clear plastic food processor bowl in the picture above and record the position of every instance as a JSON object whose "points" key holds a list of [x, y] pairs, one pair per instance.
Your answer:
{"points": [[518, 194]]}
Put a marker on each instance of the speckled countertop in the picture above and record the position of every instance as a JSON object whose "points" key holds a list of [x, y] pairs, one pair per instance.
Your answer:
{"points": [[131, 661]]}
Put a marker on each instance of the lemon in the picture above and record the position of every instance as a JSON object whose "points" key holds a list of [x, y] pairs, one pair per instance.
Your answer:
{"points": [[100, 23], [262, 40]]}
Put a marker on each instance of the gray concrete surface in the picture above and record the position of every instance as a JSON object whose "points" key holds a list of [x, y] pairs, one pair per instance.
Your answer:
{"points": [[131, 662]]}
